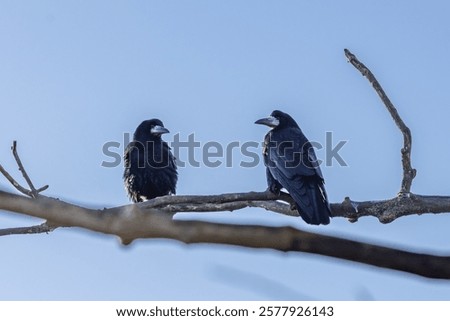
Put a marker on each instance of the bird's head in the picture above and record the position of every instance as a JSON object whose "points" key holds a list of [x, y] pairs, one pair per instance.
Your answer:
{"points": [[277, 119], [150, 128]]}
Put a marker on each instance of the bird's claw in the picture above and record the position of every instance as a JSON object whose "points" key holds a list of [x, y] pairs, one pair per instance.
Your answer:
{"points": [[274, 189]]}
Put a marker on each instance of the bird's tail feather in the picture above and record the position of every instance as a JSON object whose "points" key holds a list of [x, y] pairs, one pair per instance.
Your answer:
{"points": [[311, 200], [319, 202]]}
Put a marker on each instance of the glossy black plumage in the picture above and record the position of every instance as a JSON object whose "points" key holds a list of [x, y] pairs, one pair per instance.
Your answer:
{"points": [[291, 163], [150, 169]]}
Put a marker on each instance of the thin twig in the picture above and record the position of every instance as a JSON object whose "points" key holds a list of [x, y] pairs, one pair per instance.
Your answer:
{"points": [[32, 192], [41, 189], [35, 229], [22, 169], [14, 183], [408, 172]]}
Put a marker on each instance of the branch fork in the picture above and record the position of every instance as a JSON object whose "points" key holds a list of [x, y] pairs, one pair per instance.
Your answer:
{"points": [[32, 191]]}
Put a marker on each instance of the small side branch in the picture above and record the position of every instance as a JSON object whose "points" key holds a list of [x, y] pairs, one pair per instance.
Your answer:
{"points": [[32, 192], [36, 229], [13, 182], [408, 172]]}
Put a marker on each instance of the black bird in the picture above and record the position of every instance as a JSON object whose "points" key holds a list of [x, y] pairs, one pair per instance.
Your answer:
{"points": [[150, 169], [291, 163]]}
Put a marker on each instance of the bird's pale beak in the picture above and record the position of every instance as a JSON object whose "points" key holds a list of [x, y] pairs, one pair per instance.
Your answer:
{"points": [[269, 121], [159, 130]]}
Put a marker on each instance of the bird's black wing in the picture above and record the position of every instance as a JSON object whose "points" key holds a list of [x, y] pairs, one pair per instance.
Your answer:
{"points": [[274, 185], [172, 174], [292, 162], [131, 176], [160, 173], [290, 152]]}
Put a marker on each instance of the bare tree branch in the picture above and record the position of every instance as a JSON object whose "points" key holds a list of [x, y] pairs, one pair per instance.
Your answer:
{"points": [[385, 210], [41, 228], [131, 222], [219, 199], [408, 172]]}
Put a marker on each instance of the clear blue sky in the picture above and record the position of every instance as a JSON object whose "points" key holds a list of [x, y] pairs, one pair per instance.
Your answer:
{"points": [[75, 75]]}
